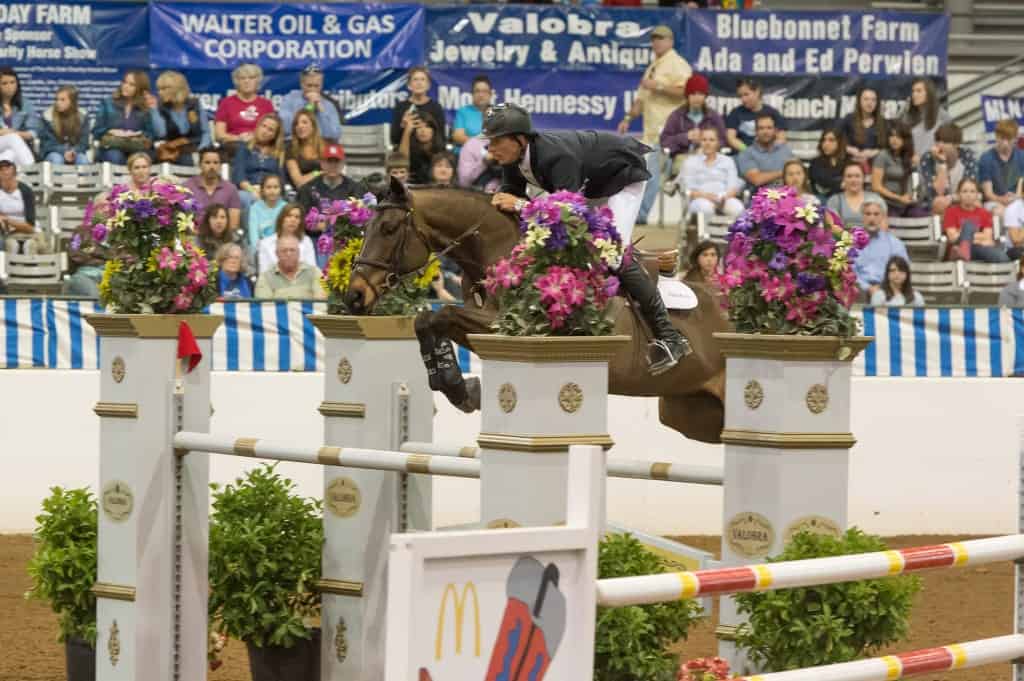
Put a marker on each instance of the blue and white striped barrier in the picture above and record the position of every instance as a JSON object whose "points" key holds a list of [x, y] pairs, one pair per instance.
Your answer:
{"points": [[276, 336]]}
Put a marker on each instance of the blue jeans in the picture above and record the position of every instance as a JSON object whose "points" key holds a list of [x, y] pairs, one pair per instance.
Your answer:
{"points": [[57, 159], [115, 156], [981, 253], [84, 282], [653, 186]]}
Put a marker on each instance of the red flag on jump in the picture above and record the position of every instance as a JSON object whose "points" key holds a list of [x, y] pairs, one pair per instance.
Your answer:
{"points": [[187, 347]]}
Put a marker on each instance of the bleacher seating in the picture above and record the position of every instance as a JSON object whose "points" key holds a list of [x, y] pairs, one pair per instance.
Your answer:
{"points": [[922, 236], [72, 184], [938, 282], [33, 274], [983, 281], [804, 143], [715, 228], [366, 149]]}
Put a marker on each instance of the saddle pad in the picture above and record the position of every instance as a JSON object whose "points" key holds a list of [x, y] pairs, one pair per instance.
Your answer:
{"points": [[676, 294]]}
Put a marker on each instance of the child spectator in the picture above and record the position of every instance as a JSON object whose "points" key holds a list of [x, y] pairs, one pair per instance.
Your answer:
{"points": [[704, 264], [304, 149], [232, 282], [442, 169], [892, 172], [19, 121], [124, 123], [896, 289], [263, 155], [968, 227], [64, 130], [1001, 168], [795, 175], [214, 230], [421, 139], [865, 129], [826, 169], [398, 166], [237, 114], [741, 123], [263, 213]]}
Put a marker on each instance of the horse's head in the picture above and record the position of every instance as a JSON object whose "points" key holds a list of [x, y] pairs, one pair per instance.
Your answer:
{"points": [[393, 247]]}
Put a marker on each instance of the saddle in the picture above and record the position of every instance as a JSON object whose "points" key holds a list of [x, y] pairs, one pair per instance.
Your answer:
{"points": [[661, 266]]}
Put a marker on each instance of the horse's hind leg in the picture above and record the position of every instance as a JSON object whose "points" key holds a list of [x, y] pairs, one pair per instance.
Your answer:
{"points": [[699, 416]]}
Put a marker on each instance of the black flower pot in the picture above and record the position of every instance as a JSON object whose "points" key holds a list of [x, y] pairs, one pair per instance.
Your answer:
{"points": [[79, 660], [299, 663]]}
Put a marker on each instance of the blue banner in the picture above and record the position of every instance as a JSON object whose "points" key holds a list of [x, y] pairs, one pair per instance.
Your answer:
{"points": [[533, 37], [995, 109], [285, 36], [874, 45]]}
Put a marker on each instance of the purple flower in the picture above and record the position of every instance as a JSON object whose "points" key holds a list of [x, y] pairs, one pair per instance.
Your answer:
{"points": [[611, 286], [324, 244], [99, 232], [860, 237], [558, 239], [770, 231], [822, 242], [143, 208], [743, 224], [370, 199], [809, 283], [76, 242], [779, 261]]}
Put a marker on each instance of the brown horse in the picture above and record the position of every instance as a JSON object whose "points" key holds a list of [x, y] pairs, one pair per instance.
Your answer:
{"points": [[413, 222]]}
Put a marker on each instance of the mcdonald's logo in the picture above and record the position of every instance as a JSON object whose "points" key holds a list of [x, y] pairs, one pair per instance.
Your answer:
{"points": [[459, 605]]}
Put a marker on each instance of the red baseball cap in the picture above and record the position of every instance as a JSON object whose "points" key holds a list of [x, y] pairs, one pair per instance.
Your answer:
{"points": [[333, 151]]}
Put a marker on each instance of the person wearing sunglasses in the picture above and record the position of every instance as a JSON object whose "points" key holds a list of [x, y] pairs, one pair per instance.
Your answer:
{"points": [[607, 169], [311, 97]]}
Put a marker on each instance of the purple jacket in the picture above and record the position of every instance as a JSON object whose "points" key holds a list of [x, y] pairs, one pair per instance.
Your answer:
{"points": [[674, 134]]}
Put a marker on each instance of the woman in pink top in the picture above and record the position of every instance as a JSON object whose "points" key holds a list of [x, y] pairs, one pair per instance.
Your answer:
{"points": [[968, 227], [238, 114]]}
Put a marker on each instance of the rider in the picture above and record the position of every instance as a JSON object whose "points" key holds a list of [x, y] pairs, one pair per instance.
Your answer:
{"points": [[605, 168]]}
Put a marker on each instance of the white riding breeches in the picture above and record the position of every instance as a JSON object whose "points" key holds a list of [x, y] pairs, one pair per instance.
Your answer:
{"points": [[15, 150], [625, 207]]}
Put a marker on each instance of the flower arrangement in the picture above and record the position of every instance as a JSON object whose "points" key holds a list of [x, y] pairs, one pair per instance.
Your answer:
{"points": [[704, 669], [789, 267], [154, 266], [342, 224], [557, 280]]}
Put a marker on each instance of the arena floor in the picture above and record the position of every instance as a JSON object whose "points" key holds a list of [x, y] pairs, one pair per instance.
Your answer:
{"points": [[955, 606]]}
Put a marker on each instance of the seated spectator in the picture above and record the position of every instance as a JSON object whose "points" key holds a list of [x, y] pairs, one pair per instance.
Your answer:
{"points": [[741, 123], [1001, 169], [17, 202], [87, 259], [469, 119], [213, 231], [397, 165], [968, 227], [181, 121], [682, 132], [924, 116], [332, 184], [704, 265], [305, 147], [262, 156], [850, 202], [64, 130], [870, 265], [237, 114], [892, 173], [865, 129], [289, 279], [826, 168], [208, 188], [418, 104], [896, 289], [140, 170], [944, 167], [421, 139], [1013, 221], [232, 282], [711, 180], [19, 123], [289, 223], [442, 169], [760, 164], [1013, 294], [311, 97], [125, 121], [476, 167], [263, 214], [795, 175]]}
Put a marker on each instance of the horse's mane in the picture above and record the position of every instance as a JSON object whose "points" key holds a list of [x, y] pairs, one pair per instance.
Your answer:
{"points": [[468, 191]]}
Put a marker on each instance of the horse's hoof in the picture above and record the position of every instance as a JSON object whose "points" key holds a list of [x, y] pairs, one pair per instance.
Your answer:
{"points": [[472, 401]]}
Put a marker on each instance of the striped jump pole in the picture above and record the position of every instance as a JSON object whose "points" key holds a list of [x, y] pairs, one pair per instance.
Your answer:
{"points": [[673, 586], [914, 663]]}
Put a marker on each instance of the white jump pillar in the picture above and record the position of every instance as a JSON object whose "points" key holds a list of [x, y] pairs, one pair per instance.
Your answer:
{"points": [[151, 585], [787, 440], [538, 396], [375, 396]]}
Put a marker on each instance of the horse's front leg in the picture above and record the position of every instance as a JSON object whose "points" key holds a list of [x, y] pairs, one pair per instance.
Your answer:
{"points": [[443, 372], [423, 324]]}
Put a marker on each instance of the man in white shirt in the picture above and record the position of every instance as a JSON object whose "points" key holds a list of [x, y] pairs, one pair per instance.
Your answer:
{"points": [[710, 179], [1013, 221]]}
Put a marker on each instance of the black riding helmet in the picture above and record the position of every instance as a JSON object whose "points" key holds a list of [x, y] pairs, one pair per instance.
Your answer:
{"points": [[507, 119]]}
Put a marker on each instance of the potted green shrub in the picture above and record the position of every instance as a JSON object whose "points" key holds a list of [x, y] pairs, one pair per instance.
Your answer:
{"points": [[812, 626], [63, 570], [265, 548], [631, 643]]}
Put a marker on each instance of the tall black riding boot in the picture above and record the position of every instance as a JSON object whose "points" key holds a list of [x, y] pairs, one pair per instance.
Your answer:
{"points": [[669, 346]]}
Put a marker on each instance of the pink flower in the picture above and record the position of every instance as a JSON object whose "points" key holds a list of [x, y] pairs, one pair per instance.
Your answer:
{"points": [[732, 278], [860, 238], [168, 259], [778, 288], [822, 242], [183, 300]]}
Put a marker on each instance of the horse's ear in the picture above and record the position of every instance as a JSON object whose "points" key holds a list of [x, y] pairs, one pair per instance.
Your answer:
{"points": [[397, 191]]}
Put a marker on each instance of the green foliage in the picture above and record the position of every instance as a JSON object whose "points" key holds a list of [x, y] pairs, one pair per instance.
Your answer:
{"points": [[751, 313], [265, 552], [631, 643], [63, 568], [807, 627]]}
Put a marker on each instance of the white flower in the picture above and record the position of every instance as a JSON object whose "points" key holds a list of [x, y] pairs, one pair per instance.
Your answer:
{"points": [[608, 250], [185, 222], [537, 236]]}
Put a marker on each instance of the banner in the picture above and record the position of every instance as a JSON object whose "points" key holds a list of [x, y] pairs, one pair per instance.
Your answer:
{"points": [[530, 37], [995, 109], [286, 37]]}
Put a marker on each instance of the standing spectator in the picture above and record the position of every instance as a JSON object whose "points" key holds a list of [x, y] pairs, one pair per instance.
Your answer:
{"points": [[17, 203], [870, 266], [893, 170], [968, 227], [208, 188], [924, 116], [305, 147], [662, 90], [442, 169], [741, 123], [944, 166], [398, 166], [795, 175], [850, 202], [711, 180], [865, 129], [421, 139], [64, 130], [237, 114], [761, 163], [19, 121], [896, 289], [125, 121], [332, 184], [311, 97], [262, 156], [181, 121], [826, 168], [290, 279], [419, 103], [682, 132], [232, 282], [263, 213], [214, 229], [1001, 169], [469, 119], [1013, 294], [289, 223], [704, 264]]}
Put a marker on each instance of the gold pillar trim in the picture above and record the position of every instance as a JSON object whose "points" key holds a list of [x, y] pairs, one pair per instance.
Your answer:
{"points": [[117, 410], [755, 438], [117, 369], [114, 644], [660, 470], [245, 446], [726, 632], [817, 398], [792, 348], [570, 398], [540, 443], [418, 463], [502, 524], [343, 497], [469, 452], [328, 455], [153, 325], [753, 394], [547, 348], [341, 640], [351, 410], [507, 398], [340, 587], [382, 327], [344, 370], [115, 592]]}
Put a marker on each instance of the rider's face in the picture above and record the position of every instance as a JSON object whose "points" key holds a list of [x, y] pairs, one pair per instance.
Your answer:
{"points": [[505, 149]]}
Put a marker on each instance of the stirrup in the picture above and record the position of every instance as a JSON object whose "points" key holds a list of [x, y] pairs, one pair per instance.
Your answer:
{"points": [[669, 357]]}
